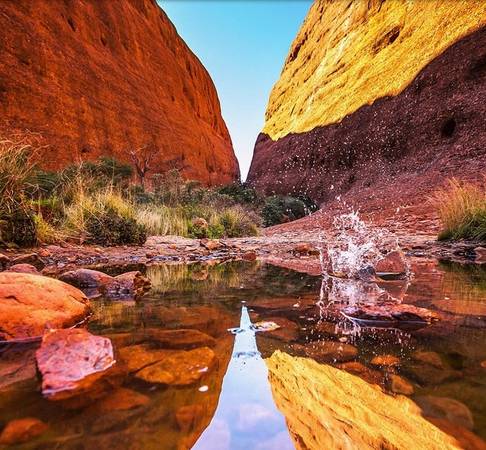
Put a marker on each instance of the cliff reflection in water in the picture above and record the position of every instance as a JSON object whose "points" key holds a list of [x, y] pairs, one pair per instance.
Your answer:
{"points": [[330, 408], [246, 416]]}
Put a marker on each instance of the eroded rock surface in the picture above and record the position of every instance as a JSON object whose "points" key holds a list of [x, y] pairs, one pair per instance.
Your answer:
{"points": [[30, 304], [73, 363], [74, 72]]}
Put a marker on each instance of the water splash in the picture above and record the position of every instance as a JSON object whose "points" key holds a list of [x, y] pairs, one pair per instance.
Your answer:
{"points": [[353, 249]]}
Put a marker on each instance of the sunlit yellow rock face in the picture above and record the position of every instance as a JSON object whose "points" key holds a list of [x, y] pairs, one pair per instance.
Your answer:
{"points": [[349, 53], [327, 408]]}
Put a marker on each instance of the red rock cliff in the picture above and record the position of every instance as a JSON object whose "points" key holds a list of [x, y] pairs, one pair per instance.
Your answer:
{"points": [[102, 77], [379, 102]]}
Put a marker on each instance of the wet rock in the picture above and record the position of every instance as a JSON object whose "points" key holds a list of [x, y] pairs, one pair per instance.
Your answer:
{"points": [[72, 363], [285, 330], [365, 373], [16, 366], [29, 258], [29, 304], [86, 278], [465, 438], [211, 244], [180, 339], [22, 430], [132, 284], [431, 358], [446, 408], [179, 367], [480, 254], [136, 357], [392, 264], [187, 417], [390, 315], [483, 364], [44, 253], [426, 374], [23, 268], [323, 327], [4, 261], [385, 361], [121, 399], [330, 351], [400, 385]]}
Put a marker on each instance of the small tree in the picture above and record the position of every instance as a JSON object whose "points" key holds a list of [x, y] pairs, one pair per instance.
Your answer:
{"points": [[142, 158]]}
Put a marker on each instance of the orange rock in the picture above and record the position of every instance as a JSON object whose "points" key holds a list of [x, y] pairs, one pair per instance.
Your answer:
{"points": [[330, 351], [385, 360], [31, 303], [393, 263], [121, 399], [211, 244], [400, 385], [179, 367], [249, 256], [22, 430], [82, 70]]}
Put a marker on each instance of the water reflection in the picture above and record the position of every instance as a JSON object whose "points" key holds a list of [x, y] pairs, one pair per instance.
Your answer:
{"points": [[232, 405], [246, 416]]}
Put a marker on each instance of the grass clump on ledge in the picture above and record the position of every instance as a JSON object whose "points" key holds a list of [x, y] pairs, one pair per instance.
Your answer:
{"points": [[462, 210]]}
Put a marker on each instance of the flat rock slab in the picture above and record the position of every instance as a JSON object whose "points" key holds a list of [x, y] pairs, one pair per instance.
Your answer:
{"points": [[72, 362], [179, 367], [30, 304]]}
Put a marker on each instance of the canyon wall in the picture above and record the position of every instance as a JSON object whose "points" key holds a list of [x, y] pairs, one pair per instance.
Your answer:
{"points": [[378, 101], [102, 78]]}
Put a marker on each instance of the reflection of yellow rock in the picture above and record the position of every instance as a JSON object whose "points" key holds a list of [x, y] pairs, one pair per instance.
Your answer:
{"points": [[330, 408], [350, 53]]}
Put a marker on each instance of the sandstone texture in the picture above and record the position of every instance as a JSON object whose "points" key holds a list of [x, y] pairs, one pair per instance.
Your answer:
{"points": [[378, 103], [356, 414], [30, 304], [103, 78]]}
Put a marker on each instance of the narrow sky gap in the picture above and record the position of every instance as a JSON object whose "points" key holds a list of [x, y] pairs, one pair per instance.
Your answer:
{"points": [[243, 45]]}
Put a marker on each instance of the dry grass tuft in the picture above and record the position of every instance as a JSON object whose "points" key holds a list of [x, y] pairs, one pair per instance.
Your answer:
{"points": [[462, 210]]}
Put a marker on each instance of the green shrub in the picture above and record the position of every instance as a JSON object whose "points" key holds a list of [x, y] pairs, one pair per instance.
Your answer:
{"points": [[240, 193], [111, 228], [18, 227], [238, 222], [279, 209]]}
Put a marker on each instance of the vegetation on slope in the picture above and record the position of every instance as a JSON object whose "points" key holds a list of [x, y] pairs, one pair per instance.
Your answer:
{"points": [[462, 211], [98, 202]]}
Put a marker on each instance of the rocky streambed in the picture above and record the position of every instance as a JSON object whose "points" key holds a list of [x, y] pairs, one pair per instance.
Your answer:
{"points": [[132, 347]]}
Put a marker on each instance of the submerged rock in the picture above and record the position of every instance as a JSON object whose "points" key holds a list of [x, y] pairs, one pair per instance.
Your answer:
{"points": [[73, 363], [22, 430], [400, 385], [328, 351], [86, 278], [121, 399], [446, 408], [30, 304], [179, 367], [390, 315], [188, 417], [279, 328], [385, 361]]}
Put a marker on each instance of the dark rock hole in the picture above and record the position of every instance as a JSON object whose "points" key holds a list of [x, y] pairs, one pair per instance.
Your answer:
{"points": [[70, 21], [448, 128]]}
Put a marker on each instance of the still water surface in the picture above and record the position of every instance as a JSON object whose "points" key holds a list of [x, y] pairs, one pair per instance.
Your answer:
{"points": [[248, 399]]}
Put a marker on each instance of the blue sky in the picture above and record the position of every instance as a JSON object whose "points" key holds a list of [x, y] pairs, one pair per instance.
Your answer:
{"points": [[243, 45]]}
